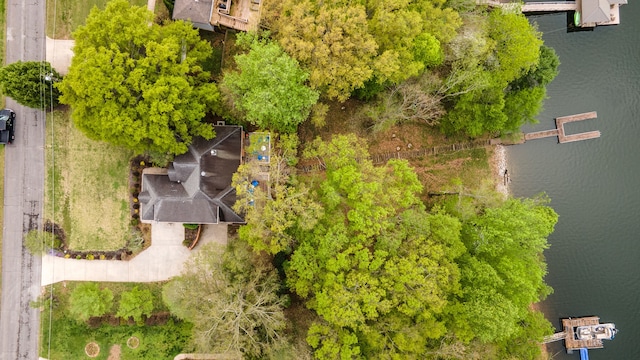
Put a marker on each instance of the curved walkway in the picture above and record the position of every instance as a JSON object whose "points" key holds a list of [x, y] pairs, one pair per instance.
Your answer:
{"points": [[163, 260]]}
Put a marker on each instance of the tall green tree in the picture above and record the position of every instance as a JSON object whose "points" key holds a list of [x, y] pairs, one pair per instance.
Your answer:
{"points": [[411, 33], [502, 270], [31, 83], [232, 299], [137, 84], [331, 41], [88, 300], [269, 87], [135, 303], [498, 50], [364, 45]]}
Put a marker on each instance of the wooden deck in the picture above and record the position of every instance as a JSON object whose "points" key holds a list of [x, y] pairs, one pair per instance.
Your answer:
{"points": [[241, 15], [560, 132], [569, 334]]}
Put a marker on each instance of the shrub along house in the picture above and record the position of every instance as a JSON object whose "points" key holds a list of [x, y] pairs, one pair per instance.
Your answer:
{"points": [[196, 187]]}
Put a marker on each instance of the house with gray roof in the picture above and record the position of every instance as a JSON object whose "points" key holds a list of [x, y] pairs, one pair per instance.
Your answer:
{"points": [[198, 12], [196, 187]]}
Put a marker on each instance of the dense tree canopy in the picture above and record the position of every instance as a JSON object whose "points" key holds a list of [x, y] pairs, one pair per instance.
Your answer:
{"points": [[389, 279], [502, 271], [138, 84], [269, 87], [347, 45], [376, 265], [231, 298], [331, 41], [493, 52], [30, 83]]}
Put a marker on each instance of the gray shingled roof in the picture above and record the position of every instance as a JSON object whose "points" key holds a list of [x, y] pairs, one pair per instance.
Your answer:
{"points": [[197, 188], [595, 11], [197, 11]]}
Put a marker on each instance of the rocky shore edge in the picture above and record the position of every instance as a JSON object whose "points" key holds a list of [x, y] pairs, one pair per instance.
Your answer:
{"points": [[499, 167]]}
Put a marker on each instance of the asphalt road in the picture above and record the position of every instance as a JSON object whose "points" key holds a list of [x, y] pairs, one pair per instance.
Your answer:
{"points": [[23, 193]]}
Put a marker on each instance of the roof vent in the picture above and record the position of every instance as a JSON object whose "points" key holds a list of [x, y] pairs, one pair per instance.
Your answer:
{"points": [[214, 152], [221, 123]]}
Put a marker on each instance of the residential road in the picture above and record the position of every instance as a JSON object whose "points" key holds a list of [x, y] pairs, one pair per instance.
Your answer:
{"points": [[23, 193]]}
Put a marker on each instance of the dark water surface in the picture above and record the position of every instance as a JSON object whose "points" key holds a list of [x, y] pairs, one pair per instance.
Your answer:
{"points": [[594, 259]]}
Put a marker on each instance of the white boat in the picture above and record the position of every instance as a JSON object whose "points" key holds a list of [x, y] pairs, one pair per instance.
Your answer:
{"points": [[600, 331]]}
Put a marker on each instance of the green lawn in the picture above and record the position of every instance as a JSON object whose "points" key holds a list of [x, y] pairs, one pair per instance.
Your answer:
{"points": [[87, 189], [67, 337], [69, 14]]}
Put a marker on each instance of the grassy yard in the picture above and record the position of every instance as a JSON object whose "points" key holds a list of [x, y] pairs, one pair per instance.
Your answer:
{"points": [[66, 15], [87, 190], [67, 338]]}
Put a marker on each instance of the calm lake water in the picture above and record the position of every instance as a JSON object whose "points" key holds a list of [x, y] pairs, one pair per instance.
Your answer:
{"points": [[594, 259]]}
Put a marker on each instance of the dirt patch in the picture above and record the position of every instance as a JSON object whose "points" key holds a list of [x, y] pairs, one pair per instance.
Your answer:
{"points": [[342, 118], [403, 137], [114, 352], [92, 349]]}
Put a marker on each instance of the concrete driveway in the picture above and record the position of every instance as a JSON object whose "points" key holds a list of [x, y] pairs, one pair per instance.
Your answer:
{"points": [[163, 260], [59, 54]]}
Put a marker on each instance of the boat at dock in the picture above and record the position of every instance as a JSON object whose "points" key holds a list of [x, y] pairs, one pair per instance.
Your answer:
{"points": [[583, 333], [598, 331]]}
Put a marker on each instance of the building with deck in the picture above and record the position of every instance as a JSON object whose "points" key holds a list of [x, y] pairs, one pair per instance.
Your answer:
{"points": [[589, 13], [240, 15]]}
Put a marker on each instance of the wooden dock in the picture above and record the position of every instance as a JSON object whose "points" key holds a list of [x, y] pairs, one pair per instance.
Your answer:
{"points": [[569, 334], [560, 132], [570, 341]]}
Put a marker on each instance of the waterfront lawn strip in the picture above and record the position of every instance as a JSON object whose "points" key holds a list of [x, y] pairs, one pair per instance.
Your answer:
{"points": [[87, 187], [64, 16]]}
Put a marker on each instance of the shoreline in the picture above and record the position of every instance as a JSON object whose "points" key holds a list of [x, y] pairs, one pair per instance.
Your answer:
{"points": [[499, 167]]}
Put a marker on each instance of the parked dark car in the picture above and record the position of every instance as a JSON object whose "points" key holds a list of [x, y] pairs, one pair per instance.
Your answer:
{"points": [[7, 120]]}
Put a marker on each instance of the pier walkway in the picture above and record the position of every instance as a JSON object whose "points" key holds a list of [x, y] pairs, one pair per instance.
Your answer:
{"points": [[560, 132], [549, 6]]}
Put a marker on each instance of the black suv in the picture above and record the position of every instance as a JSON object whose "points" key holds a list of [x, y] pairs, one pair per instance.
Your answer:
{"points": [[7, 119]]}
